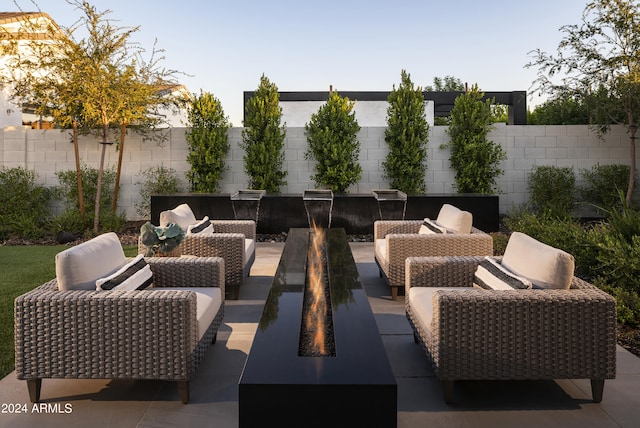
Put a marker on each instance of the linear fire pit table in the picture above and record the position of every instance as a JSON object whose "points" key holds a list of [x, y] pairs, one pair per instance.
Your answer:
{"points": [[346, 384]]}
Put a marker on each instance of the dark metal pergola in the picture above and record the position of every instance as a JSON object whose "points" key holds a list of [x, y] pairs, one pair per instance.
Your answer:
{"points": [[516, 101]]}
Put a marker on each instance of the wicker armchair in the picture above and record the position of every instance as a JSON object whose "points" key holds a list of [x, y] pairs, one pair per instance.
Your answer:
{"points": [[141, 334], [395, 240], [477, 334], [233, 240]]}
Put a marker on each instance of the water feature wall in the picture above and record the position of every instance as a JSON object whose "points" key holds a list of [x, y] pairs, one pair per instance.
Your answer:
{"points": [[354, 212]]}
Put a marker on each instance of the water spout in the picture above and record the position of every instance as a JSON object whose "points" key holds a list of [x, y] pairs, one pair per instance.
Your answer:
{"points": [[318, 203]]}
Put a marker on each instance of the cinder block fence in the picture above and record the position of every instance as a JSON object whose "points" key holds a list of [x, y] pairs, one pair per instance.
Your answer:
{"points": [[49, 151]]}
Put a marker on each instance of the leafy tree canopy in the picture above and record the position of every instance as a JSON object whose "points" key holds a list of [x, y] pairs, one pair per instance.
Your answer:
{"points": [[445, 84], [598, 62]]}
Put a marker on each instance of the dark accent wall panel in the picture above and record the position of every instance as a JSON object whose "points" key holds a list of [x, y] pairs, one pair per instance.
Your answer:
{"points": [[354, 212]]}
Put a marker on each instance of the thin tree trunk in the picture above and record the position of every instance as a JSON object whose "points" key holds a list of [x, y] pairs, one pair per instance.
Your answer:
{"points": [[632, 170], [78, 172], [96, 219], [123, 133]]}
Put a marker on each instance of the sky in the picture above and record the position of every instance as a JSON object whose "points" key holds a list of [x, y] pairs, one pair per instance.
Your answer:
{"points": [[224, 46]]}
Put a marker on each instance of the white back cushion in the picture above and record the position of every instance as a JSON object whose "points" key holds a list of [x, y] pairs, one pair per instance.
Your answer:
{"points": [[77, 268], [455, 219], [544, 265], [180, 215]]}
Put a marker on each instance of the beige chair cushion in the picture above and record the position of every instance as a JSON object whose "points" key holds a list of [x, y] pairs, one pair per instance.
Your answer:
{"points": [[180, 215], [208, 301], [543, 265], [421, 302], [249, 248], [380, 250], [455, 219], [78, 268]]}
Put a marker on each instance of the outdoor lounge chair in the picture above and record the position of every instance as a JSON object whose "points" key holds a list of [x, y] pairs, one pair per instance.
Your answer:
{"points": [[97, 321], [233, 240], [564, 331], [395, 240]]}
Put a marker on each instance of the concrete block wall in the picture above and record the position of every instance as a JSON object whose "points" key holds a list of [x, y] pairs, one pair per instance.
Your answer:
{"points": [[50, 151]]}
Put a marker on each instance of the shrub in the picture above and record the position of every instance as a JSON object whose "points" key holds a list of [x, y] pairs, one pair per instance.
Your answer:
{"points": [[157, 180], [208, 143], [624, 222], [500, 241], [619, 263], [67, 191], [263, 139], [333, 144], [559, 232], [627, 305], [605, 253], [24, 210], [552, 190], [474, 158], [407, 136], [560, 111], [602, 186]]}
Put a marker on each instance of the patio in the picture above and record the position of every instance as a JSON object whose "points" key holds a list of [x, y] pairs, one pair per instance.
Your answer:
{"points": [[214, 391]]}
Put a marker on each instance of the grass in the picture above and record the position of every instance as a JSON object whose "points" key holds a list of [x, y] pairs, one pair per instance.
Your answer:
{"points": [[23, 268]]}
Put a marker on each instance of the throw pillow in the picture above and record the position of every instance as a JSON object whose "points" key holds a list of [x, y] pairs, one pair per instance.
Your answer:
{"points": [[135, 275], [491, 275], [430, 227], [202, 227]]}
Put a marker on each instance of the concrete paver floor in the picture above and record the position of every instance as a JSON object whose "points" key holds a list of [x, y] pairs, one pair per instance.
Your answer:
{"points": [[214, 391]]}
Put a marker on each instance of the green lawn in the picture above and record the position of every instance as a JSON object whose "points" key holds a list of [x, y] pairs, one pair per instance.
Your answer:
{"points": [[23, 268]]}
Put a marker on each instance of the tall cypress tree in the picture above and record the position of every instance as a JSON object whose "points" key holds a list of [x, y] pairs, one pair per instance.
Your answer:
{"points": [[475, 158], [407, 135], [263, 139], [208, 143], [333, 144]]}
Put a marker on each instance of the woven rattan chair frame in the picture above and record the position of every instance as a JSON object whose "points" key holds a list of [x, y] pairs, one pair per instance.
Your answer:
{"points": [[516, 334], [227, 242], [403, 240], [141, 334]]}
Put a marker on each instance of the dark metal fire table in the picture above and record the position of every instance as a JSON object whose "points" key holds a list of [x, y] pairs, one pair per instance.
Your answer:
{"points": [[353, 387]]}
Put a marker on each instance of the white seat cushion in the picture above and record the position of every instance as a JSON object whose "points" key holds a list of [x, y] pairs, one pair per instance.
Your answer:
{"points": [[78, 268], [249, 248], [421, 302], [208, 301], [380, 249]]}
